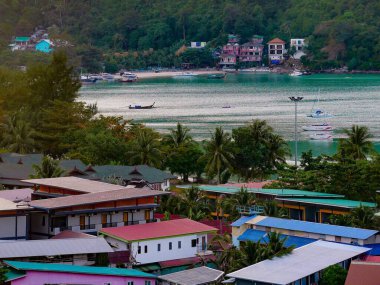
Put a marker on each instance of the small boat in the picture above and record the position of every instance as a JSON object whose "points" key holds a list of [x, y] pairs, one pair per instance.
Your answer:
{"points": [[85, 79], [296, 73], [217, 76], [108, 77], [226, 107], [318, 127], [319, 113], [321, 136], [185, 75], [128, 77], [141, 107]]}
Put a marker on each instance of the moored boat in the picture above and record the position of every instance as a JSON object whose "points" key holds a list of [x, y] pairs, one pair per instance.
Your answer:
{"points": [[318, 127], [128, 77], [185, 75], [319, 113], [296, 73], [321, 136], [84, 79], [135, 106], [217, 76]]}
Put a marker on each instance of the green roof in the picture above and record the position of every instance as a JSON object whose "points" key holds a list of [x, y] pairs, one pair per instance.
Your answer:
{"points": [[14, 274], [340, 203], [55, 267], [274, 192], [22, 39]]}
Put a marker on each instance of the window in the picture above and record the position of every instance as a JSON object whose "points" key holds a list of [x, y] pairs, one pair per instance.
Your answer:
{"points": [[197, 240], [130, 283], [338, 239], [145, 249], [43, 221], [107, 283], [139, 249], [279, 52], [193, 243], [179, 244], [170, 246], [159, 247], [147, 282]]}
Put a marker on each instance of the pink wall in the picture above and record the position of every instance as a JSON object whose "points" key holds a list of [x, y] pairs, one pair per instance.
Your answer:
{"points": [[41, 278]]}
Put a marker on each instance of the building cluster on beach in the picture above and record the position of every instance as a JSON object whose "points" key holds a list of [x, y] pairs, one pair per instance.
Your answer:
{"points": [[251, 53], [82, 229]]}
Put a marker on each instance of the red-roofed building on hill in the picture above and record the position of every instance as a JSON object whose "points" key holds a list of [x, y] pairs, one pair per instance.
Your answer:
{"points": [[161, 241], [276, 51]]}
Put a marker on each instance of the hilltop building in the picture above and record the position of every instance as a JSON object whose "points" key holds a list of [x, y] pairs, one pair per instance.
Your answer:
{"points": [[276, 51], [230, 52], [45, 46], [198, 44], [298, 45]]}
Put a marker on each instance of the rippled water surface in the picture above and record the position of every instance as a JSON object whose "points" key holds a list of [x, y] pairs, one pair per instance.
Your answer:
{"points": [[198, 102]]}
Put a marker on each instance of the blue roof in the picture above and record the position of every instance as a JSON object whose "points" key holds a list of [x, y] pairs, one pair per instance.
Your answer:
{"points": [[256, 235], [375, 249], [242, 220], [318, 228]]}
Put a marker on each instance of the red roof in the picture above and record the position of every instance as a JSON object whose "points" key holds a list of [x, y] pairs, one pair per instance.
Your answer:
{"points": [[363, 273], [186, 261], [276, 41], [71, 234], [157, 230], [372, 258]]}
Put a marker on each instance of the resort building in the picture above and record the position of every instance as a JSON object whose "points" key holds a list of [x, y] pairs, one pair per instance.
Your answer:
{"points": [[252, 51], [276, 51], [91, 212], [26, 273], [298, 46], [197, 276], [305, 265], [13, 220], [161, 241], [198, 44], [45, 46], [300, 204], [79, 251], [230, 52], [299, 233]]}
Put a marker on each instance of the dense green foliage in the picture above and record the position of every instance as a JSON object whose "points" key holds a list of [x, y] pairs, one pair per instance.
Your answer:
{"points": [[339, 32], [334, 275]]}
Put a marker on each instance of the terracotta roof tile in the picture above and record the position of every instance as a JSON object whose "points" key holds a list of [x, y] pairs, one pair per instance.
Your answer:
{"points": [[276, 41]]}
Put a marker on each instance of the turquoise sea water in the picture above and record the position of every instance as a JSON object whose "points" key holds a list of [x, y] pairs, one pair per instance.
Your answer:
{"points": [[198, 103]]}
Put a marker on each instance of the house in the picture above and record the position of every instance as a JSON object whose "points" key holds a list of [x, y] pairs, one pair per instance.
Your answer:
{"points": [[252, 51], [298, 45], [363, 273], [45, 46], [276, 51], [255, 226], [138, 175], [230, 52], [14, 219], [80, 251], [25, 273], [198, 44], [20, 43], [161, 241], [305, 265], [93, 211], [196, 276]]}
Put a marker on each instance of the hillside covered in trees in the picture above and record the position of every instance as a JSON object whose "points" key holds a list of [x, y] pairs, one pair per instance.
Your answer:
{"points": [[149, 32]]}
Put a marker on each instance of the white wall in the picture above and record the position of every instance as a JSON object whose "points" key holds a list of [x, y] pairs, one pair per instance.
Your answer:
{"points": [[153, 255], [8, 227]]}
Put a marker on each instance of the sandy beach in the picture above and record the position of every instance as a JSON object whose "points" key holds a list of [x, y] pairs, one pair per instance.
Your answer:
{"points": [[165, 73]]}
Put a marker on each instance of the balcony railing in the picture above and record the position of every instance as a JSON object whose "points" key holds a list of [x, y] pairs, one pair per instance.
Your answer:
{"points": [[87, 227], [131, 223], [109, 225]]}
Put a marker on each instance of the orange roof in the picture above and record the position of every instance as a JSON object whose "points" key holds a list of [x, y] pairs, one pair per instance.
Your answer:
{"points": [[276, 41]]}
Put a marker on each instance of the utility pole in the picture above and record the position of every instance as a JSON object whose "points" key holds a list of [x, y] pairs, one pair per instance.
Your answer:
{"points": [[295, 100]]}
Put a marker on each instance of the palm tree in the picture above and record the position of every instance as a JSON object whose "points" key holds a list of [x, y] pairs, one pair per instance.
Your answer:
{"points": [[17, 135], [276, 245], [277, 150], [357, 145], [230, 260], [242, 198], [218, 153], [192, 202], [146, 148], [253, 252], [341, 220], [363, 217], [178, 136], [49, 168], [271, 209]]}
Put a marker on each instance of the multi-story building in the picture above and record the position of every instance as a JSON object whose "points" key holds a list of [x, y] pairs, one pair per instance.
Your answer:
{"points": [[252, 51], [298, 45], [161, 241], [276, 51], [230, 52]]}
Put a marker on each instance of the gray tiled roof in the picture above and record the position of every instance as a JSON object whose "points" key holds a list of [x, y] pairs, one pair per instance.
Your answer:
{"points": [[195, 276]]}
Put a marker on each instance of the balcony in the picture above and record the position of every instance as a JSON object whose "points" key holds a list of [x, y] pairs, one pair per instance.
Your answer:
{"points": [[109, 225], [87, 227]]}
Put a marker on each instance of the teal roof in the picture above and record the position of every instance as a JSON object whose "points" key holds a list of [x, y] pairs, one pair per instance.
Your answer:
{"points": [[14, 274], [342, 203], [55, 267], [22, 39], [274, 192]]}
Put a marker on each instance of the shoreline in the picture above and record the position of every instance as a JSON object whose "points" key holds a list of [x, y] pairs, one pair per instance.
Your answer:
{"points": [[153, 74]]}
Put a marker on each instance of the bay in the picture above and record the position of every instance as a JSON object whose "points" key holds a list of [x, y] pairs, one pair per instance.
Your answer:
{"points": [[198, 103]]}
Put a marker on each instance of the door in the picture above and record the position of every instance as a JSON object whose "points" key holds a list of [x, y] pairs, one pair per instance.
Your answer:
{"points": [[125, 218], [82, 222], [104, 220], [147, 215], [204, 243]]}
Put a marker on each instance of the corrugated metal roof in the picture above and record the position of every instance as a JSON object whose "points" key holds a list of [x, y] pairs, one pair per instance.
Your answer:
{"points": [[256, 235], [241, 221], [58, 267], [17, 195], [157, 230], [340, 203], [93, 198], [363, 273], [6, 205], [195, 276], [374, 248], [53, 247], [302, 262], [318, 228]]}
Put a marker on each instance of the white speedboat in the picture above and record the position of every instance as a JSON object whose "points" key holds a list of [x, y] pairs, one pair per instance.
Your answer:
{"points": [[185, 75], [318, 127], [321, 136], [319, 113], [296, 73], [108, 77], [128, 77]]}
